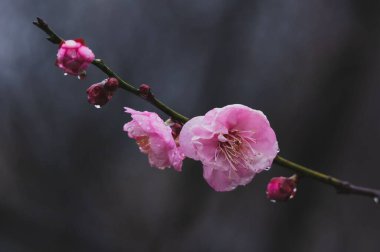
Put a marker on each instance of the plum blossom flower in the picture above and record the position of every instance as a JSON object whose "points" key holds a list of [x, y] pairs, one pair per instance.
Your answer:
{"points": [[155, 139], [282, 188], [74, 57], [234, 143]]}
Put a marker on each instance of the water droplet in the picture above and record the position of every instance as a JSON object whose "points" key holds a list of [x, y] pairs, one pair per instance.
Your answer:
{"points": [[65, 74], [273, 201], [81, 76], [376, 199], [97, 106]]}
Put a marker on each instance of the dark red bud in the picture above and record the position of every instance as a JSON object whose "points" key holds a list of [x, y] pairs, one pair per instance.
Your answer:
{"points": [[282, 188], [176, 129], [98, 95], [145, 91], [111, 84]]}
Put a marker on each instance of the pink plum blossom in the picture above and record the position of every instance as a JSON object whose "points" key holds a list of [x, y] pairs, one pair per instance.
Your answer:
{"points": [[234, 143], [155, 139], [73, 57], [282, 188]]}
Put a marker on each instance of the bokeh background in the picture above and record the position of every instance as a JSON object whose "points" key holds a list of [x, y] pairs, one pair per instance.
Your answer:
{"points": [[71, 180]]}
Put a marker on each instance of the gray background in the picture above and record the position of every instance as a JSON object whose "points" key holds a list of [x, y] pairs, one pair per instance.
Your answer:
{"points": [[71, 180]]}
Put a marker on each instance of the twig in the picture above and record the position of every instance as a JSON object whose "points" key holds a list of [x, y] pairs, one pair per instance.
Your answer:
{"points": [[343, 187]]}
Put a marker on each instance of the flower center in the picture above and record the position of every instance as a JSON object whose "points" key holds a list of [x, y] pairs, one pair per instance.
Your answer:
{"points": [[236, 149], [143, 143]]}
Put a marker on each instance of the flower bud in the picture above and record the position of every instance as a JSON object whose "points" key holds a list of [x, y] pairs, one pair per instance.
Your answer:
{"points": [[282, 188], [174, 126], [145, 91], [100, 93], [73, 57], [111, 84], [97, 95], [176, 129]]}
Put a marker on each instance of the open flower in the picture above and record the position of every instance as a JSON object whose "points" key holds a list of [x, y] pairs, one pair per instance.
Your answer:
{"points": [[154, 138], [234, 143], [74, 57]]}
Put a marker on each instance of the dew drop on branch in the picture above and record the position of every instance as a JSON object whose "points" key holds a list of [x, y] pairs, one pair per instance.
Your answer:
{"points": [[376, 199], [273, 201], [97, 106], [65, 74]]}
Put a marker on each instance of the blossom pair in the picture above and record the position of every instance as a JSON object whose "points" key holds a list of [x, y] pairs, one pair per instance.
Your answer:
{"points": [[234, 143]]}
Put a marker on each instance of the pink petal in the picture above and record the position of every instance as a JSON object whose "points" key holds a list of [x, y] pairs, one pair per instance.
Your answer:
{"points": [[186, 137], [226, 180]]}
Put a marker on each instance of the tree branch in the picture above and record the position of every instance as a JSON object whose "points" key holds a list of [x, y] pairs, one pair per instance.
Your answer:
{"points": [[343, 187]]}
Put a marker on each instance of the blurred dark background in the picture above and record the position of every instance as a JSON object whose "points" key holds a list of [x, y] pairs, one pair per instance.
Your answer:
{"points": [[71, 180]]}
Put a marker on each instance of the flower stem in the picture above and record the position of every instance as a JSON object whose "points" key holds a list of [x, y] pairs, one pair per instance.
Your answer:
{"points": [[151, 99], [341, 186]]}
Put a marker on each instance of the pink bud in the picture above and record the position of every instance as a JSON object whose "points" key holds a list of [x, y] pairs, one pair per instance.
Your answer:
{"points": [[98, 95], [74, 57], [282, 188], [111, 84]]}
